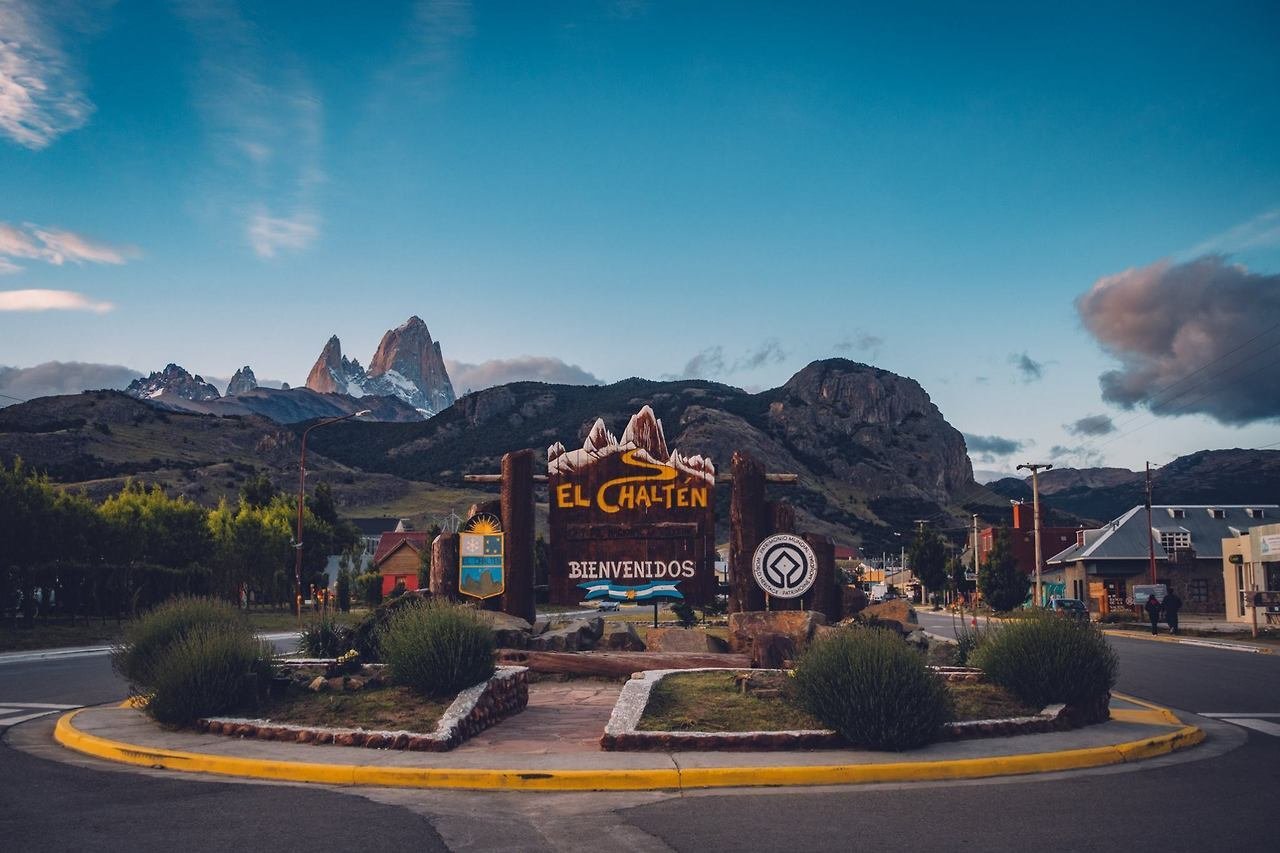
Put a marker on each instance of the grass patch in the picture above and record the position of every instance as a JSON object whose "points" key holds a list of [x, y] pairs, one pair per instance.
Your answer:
{"points": [[379, 709], [271, 621], [710, 702], [987, 702], [52, 635]]}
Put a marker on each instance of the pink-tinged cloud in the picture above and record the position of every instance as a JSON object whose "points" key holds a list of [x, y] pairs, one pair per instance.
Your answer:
{"points": [[40, 88], [499, 371], [50, 300], [55, 246], [1197, 337]]}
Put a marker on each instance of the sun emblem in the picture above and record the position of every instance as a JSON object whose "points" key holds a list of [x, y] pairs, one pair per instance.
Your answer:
{"points": [[631, 595], [483, 524]]}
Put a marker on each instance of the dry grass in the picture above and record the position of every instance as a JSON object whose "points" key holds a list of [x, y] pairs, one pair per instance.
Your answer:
{"points": [[987, 702], [710, 702], [381, 709]]}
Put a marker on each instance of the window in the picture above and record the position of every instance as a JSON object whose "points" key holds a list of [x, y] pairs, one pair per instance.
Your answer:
{"points": [[1217, 513], [1256, 512], [1173, 540], [1177, 513], [1198, 590]]}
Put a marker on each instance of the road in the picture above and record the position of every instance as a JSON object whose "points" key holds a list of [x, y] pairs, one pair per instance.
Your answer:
{"points": [[1218, 796]]}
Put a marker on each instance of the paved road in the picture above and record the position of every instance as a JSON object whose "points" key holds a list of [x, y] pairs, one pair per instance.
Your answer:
{"points": [[1220, 796]]}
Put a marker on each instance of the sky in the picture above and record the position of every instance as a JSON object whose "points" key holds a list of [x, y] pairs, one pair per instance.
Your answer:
{"points": [[1063, 223]]}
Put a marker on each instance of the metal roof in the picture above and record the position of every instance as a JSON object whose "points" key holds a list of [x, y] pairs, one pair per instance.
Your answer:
{"points": [[1128, 537]]}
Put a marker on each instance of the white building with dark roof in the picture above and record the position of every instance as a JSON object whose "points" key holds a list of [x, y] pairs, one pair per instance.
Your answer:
{"points": [[1105, 563]]}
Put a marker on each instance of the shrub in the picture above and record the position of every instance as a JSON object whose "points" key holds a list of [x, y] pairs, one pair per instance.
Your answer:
{"points": [[149, 637], [873, 689], [969, 637], [683, 611], [207, 671], [1045, 659], [366, 636], [324, 639], [437, 648]]}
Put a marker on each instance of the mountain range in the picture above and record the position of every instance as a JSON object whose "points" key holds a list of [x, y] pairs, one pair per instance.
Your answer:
{"points": [[406, 380], [873, 454]]}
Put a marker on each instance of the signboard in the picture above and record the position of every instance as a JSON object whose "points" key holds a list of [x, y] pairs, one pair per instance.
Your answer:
{"points": [[784, 566], [1269, 547], [481, 561], [1141, 592], [630, 520]]}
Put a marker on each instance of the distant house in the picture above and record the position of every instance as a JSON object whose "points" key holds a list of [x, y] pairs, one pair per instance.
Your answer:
{"points": [[1186, 540], [1022, 541], [398, 557], [1250, 565], [371, 530]]}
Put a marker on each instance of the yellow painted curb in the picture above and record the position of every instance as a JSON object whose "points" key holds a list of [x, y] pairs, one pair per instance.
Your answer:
{"points": [[624, 780]]}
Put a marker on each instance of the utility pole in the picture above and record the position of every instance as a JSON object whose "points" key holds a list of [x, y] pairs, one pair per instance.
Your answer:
{"points": [[920, 523], [1034, 468], [1151, 539], [975, 565]]}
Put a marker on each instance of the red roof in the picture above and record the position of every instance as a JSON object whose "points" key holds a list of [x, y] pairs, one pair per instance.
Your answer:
{"points": [[844, 552], [389, 542]]}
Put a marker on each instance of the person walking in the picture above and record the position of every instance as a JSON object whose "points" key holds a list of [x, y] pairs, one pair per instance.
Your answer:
{"points": [[1172, 604], [1153, 613]]}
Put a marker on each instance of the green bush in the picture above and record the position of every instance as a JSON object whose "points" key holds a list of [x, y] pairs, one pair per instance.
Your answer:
{"points": [[208, 671], [873, 689], [149, 637], [1045, 659], [436, 648], [324, 638], [683, 611], [366, 636]]}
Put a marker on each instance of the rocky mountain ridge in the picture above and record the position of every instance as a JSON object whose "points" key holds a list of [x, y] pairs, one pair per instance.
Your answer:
{"points": [[173, 381], [408, 364], [243, 382]]}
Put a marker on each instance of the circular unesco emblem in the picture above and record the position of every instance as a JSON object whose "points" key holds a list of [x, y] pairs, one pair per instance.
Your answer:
{"points": [[784, 566]]}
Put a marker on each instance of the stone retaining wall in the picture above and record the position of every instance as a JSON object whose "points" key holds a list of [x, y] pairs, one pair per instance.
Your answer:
{"points": [[621, 734], [474, 710]]}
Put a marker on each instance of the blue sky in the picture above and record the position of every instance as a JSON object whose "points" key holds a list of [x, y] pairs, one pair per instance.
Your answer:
{"points": [[658, 189]]}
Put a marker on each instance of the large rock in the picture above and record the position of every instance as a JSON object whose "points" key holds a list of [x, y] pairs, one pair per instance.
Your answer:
{"points": [[509, 632], [896, 614], [678, 640], [852, 599], [577, 636], [772, 651], [747, 626], [621, 637]]}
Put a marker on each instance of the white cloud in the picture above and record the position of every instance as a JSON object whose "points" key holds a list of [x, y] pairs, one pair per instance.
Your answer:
{"points": [[1262, 231], [270, 234], [55, 246], [499, 371], [62, 377], [40, 92], [50, 300]]}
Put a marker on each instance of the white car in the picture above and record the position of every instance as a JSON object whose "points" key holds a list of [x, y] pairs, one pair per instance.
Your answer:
{"points": [[608, 606]]}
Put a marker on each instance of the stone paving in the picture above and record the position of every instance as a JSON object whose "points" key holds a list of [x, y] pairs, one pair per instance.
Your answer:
{"points": [[561, 717]]}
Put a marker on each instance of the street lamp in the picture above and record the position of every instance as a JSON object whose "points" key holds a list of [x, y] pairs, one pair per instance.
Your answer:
{"points": [[1034, 468], [302, 487]]}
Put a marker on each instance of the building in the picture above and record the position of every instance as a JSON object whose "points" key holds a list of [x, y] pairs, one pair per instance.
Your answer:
{"points": [[1106, 562], [1022, 540], [398, 557], [1251, 564]]}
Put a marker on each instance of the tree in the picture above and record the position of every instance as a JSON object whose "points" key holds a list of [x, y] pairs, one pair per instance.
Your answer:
{"points": [[929, 560], [258, 491], [344, 590], [956, 568], [1002, 584]]}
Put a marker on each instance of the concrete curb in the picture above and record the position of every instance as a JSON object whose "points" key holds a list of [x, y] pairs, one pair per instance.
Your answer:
{"points": [[673, 778], [1204, 642]]}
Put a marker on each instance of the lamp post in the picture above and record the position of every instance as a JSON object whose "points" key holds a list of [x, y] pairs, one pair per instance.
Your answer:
{"points": [[1034, 468], [302, 489]]}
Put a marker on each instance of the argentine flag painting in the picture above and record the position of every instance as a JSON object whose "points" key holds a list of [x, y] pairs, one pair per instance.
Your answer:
{"points": [[645, 592]]}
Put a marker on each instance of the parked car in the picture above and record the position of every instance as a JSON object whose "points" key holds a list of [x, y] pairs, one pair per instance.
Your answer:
{"points": [[608, 606], [1070, 608]]}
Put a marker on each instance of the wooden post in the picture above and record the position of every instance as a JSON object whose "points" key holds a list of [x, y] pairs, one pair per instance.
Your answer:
{"points": [[444, 566], [782, 519], [748, 522], [827, 597], [517, 522]]}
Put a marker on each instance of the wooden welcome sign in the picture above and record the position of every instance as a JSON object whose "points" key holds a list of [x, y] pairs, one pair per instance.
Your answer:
{"points": [[630, 521]]}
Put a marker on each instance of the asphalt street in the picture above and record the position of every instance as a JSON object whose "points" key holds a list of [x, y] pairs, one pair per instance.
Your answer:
{"points": [[1218, 796]]}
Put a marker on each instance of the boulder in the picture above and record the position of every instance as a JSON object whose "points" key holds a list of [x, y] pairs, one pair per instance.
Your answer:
{"points": [[677, 640], [509, 632], [852, 599], [919, 639], [577, 636], [318, 684], [746, 626], [621, 637], [772, 651], [896, 614]]}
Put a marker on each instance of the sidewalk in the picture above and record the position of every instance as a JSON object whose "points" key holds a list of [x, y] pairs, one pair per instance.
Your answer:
{"points": [[552, 747]]}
